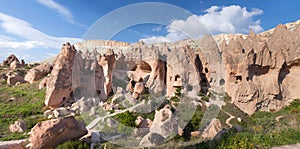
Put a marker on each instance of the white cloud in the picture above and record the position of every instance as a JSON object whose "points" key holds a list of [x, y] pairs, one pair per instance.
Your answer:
{"points": [[25, 30], [5, 38], [60, 9], [20, 45], [216, 20]]}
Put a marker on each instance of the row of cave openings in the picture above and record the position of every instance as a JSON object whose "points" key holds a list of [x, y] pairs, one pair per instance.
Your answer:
{"points": [[204, 83]]}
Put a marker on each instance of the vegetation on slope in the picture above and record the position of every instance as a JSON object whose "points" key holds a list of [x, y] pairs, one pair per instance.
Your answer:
{"points": [[23, 102]]}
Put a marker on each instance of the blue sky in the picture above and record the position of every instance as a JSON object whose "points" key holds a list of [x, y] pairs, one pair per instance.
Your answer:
{"points": [[35, 29]]}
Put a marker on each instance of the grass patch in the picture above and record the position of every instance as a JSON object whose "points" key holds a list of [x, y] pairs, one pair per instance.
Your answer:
{"points": [[73, 144], [22, 102]]}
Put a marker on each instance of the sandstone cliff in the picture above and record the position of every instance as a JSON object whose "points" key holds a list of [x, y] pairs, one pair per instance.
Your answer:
{"points": [[259, 71]]}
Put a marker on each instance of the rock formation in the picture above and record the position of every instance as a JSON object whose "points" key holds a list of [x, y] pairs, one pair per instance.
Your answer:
{"points": [[14, 79], [163, 126], [59, 84], [143, 126], [38, 72], [76, 75], [10, 59], [18, 126], [261, 69], [50, 133], [212, 129], [259, 72]]}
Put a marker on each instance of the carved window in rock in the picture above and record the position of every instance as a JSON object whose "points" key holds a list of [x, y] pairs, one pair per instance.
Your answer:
{"points": [[177, 77], [238, 78]]}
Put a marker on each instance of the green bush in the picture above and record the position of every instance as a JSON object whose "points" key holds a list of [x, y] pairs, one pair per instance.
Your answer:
{"points": [[73, 144], [127, 118], [237, 141]]}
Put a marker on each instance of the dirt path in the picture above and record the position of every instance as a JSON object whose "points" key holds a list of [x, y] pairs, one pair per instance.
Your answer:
{"points": [[95, 121], [294, 146], [2, 143], [228, 119]]}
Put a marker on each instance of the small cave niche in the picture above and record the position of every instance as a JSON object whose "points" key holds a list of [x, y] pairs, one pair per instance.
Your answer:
{"points": [[206, 70], [133, 83], [177, 77], [141, 80], [243, 51], [256, 70], [72, 94], [238, 78], [283, 72], [222, 82], [98, 92]]}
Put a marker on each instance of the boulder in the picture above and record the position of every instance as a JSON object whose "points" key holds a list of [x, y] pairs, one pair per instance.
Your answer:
{"points": [[10, 59], [163, 126], [18, 126], [196, 134], [38, 72], [212, 129], [14, 65], [14, 79], [50, 133], [164, 123], [139, 88], [143, 126], [60, 112], [152, 139]]}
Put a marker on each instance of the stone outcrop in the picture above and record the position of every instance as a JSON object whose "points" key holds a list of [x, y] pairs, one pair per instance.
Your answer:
{"points": [[14, 79], [143, 126], [18, 126], [261, 69], [152, 139], [38, 72], [43, 83], [59, 84], [10, 59], [212, 129], [50, 133], [76, 75], [107, 62], [163, 126], [14, 65]]}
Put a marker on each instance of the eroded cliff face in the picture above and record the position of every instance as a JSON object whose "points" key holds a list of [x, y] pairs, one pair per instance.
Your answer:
{"points": [[76, 74], [259, 71], [262, 70]]}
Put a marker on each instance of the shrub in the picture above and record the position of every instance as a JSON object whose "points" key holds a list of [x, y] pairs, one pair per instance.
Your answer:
{"points": [[238, 141], [73, 144], [127, 118]]}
